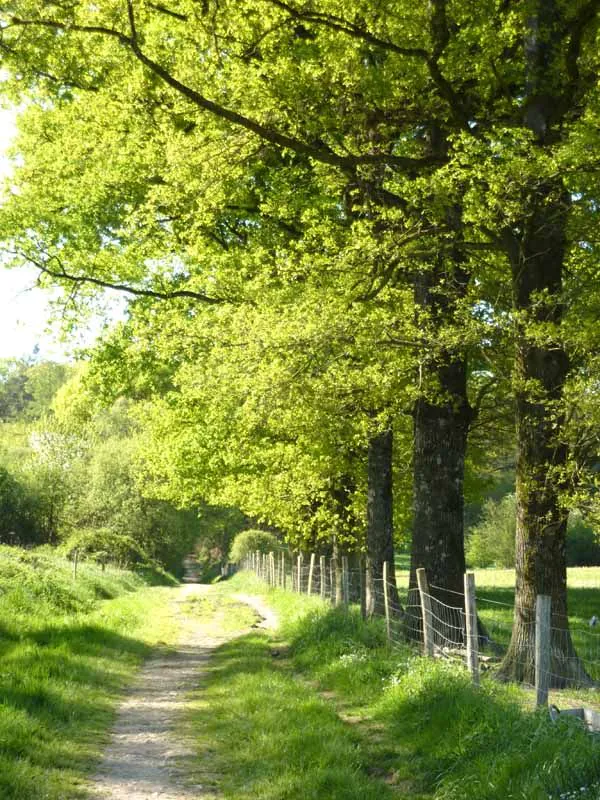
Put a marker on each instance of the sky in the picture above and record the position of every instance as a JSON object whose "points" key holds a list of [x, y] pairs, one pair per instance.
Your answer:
{"points": [[25, 309]]}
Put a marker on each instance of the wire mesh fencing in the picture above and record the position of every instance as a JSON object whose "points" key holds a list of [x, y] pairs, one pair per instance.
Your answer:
{"points": [[531, 645]]}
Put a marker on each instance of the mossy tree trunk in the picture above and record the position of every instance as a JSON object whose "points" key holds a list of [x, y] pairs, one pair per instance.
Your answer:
{"points": [[541, 369], [536, 248]]}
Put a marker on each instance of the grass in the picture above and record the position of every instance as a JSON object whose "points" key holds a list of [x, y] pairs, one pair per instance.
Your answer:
{"points": [[334, 713], [267, 735], [67, 649]]}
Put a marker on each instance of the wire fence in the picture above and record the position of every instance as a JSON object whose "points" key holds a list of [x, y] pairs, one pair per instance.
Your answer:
{"points": [[533, 645]]}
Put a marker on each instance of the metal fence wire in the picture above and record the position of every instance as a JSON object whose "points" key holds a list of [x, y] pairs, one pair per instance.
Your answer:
{"points": [[542, 651]]}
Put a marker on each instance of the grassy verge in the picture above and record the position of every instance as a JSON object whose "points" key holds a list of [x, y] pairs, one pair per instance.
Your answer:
{"points": [[335, 714], [67, 649]]}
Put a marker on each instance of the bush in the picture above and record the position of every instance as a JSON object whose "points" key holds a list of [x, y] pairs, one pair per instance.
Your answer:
{"points": [[491, 543], [249, 542], [583, 549]]}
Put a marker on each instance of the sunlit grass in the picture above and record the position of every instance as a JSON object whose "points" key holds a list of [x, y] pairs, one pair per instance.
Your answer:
{"points": [[421, 729], [68, 647]]}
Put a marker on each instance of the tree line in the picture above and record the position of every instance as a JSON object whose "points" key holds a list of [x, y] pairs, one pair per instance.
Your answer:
{"points": [[375, 227]]}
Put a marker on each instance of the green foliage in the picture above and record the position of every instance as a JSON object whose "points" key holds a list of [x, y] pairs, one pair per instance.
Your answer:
{"points": [[250, 541], [491, 542], [583, 547], [288, 191], [217, 527], [18, 512], [28, 387]]}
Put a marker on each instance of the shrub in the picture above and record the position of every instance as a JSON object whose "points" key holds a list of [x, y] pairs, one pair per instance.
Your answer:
{"points": [[491, 543], [249, 542], [583, 549]]}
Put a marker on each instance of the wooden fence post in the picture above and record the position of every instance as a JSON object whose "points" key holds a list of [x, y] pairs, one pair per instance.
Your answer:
{"points": [[322, 572], [543, 610], [311, 571], [332, 569], [345, 586], [426, 611], [283, 569], [386, 600], [471, 627], [299, 578], [362, 566]]}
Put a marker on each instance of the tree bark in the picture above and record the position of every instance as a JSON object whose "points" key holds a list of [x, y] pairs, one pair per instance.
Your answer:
{"points": [[541, 369], [440, 442], [441, 420], [536, 249], [380, 529]]}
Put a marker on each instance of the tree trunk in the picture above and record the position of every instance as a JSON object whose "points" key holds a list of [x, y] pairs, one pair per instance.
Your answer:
{"points": [[441, 418], [380, 530], [536, 250], [440, 442], [541, 369]]}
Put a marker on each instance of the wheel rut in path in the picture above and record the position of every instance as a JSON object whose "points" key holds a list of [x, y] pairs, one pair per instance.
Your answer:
{"points": [[146, 758]]}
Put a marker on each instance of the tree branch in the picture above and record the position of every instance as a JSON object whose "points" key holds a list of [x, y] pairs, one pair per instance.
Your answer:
{"points": [[336, 23], [587, 14], [163, 10], [323, 154], [62, 275], [440, 37]]}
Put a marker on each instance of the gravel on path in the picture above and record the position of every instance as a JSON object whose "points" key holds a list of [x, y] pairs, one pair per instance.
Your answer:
{"points": [[146, 758]]}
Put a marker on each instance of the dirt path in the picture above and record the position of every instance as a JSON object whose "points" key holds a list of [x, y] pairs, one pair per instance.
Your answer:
{"points": [[145, 759]]}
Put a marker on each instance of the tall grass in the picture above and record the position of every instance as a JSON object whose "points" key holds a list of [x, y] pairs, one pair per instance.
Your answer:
{"points": [[67, 648], [419, 726]]}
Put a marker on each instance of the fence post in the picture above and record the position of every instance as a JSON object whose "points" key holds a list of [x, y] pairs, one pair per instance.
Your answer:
{"points": [[272, 569], [543, 608], [283, 569], [332, 571], [345, 587], [311, 571], [299, 571], [386, 600], [322, 570], [471, 627], [362, 586], [426, 611]]}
